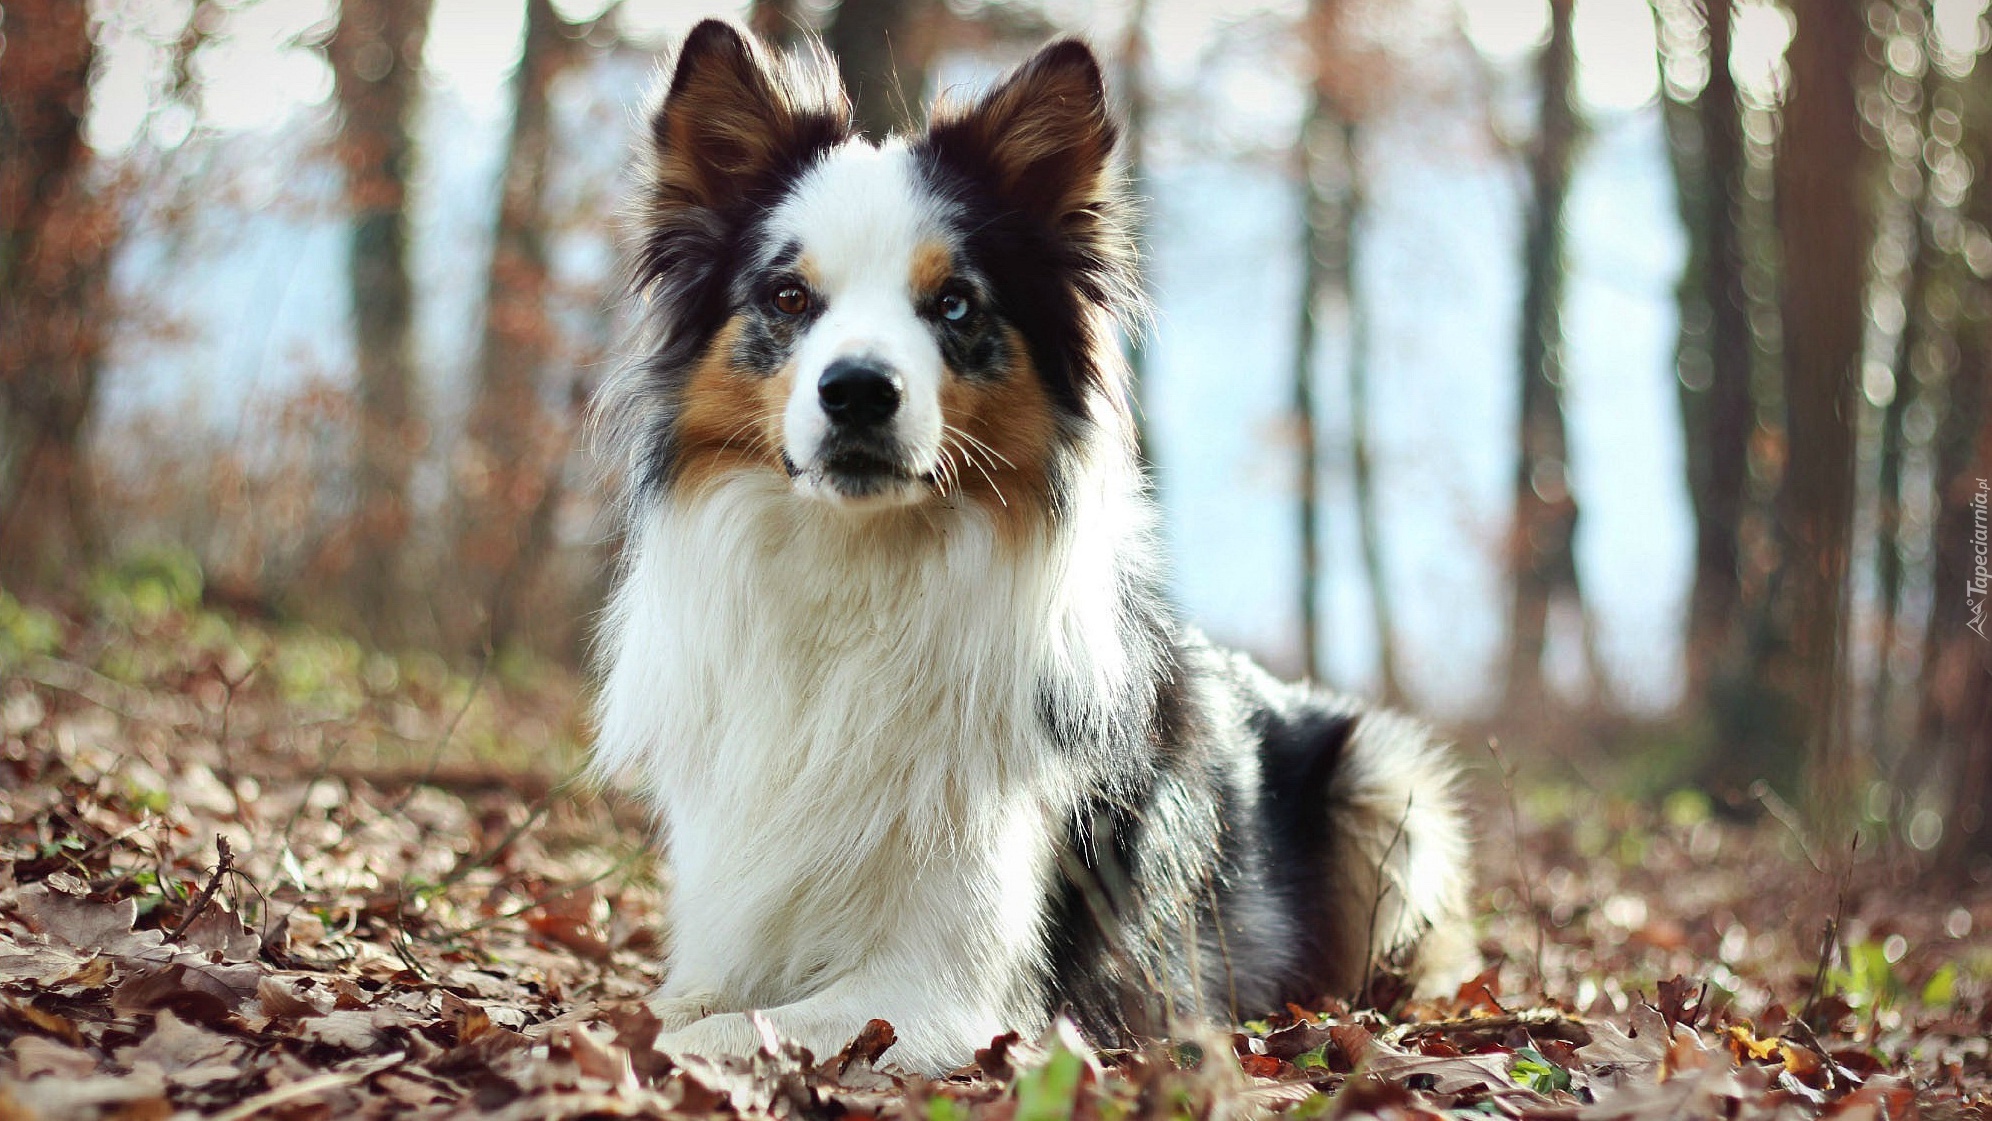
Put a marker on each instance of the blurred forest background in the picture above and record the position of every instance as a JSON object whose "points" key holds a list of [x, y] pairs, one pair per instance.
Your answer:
{"points": [[1608, 377]]}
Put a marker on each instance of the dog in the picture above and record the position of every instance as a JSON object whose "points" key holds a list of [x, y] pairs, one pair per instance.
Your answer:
{"points": [[889, 650]]}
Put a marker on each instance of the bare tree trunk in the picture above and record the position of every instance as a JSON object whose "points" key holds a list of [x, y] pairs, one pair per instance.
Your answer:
{"points": [[1956, 704], [1346, 256], [778, 23], [1545, 520], [1314, 223], [55, 245], [1955, 718], [883, 67], [376, 57], [1825, 233], [1717, 350], [1344, 81], [1910, 351], [1970, 834], [1135, 111], [513, 444]]}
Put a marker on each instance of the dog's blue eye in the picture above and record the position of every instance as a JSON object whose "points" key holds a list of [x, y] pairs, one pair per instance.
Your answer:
{"points": [[954, 307]]}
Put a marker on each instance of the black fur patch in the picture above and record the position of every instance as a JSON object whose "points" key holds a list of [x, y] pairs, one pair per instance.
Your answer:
{"points": [[1036, 284], [1303, 747]]}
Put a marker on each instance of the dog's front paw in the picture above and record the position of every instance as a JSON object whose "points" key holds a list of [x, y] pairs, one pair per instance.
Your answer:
{"points": [[727, 1033], [674, 1012]]}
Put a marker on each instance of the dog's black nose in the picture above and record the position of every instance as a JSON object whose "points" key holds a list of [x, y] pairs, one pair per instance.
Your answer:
{"points": [[859, 394]]}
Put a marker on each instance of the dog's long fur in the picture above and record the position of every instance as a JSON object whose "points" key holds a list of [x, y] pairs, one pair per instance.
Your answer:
{"points": [[927, 742]]}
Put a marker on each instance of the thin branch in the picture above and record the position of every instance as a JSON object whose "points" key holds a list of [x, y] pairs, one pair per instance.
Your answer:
{"points": [[558, 893], [1528, 1018], [449, 733], [1376, 903], [1831, 940], [1521, 869], [223, 864], [1786, 816]]}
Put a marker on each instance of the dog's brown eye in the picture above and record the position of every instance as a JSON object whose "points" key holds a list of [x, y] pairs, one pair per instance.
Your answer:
{"points": [[791, 299]]}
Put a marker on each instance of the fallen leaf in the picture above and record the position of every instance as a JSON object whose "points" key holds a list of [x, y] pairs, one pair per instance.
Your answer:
{"points": [[872, 1041], [36, 1055], [1681, 1001], [289, 998], [1745, 1045], [350, 1031], [1263, 1066], [1293, 1041], [25, 1016], [80, 922], [1482, 993]]}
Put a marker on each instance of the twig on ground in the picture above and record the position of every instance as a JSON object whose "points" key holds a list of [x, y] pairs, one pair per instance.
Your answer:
{"points": [[289, 1092], [404, 945], [1782, 812], [224, 862], [230, 685], [1223, 952], [1521, 855], [112, 696], [449, 733], [263, 935], [1376, 903], [1098, 897], [491, 853], [78, 860], [1527, 1018], [1831, 941], [557, 893], [326, 759]]}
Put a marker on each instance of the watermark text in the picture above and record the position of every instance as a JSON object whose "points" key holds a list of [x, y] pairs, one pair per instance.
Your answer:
{"points": [[1980, 582]]}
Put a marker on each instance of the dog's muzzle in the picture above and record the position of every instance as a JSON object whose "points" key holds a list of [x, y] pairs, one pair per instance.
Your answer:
{"points": [[859, 456]]}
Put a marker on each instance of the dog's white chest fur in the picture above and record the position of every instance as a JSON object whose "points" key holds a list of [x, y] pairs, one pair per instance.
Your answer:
{"points": [[838, 719]]}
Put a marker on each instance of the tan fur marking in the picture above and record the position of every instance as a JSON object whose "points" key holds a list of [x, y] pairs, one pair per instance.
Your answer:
{"points": [[1004, 468], [732, 418], [933, 264]]}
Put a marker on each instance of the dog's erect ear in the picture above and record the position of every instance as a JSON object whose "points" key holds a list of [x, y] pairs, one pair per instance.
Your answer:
{"points": [[733, 119], [1043, 138]]}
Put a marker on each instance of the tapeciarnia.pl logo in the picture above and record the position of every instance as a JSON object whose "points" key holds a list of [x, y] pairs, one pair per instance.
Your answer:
{"points": [[1975, 589]]}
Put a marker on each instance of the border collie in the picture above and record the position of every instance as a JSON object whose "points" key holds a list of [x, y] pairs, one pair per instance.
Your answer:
{"points": [[889, 650]]}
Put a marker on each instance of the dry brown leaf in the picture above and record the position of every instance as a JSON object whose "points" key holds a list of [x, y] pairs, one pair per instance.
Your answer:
{"points": [[173, 1044], [872, 1041], [600, 1059], [218, 931], [292, 997], [1448, 1075], [36, 1055], [26, 1016], [142, 1093], [350, 1031], [1298, 1039], [79, 922]]}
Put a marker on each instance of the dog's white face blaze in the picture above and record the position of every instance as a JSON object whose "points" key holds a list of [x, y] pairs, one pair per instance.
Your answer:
{"points": [[862, 219]]}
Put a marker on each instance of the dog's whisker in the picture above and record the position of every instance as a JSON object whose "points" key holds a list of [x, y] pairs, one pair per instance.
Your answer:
{"points": [[944, 471], [990, 479], [756, 429], [986, 449]]}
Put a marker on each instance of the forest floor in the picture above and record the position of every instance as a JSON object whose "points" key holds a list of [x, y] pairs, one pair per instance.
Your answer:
{"points": [[249, 871]]}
